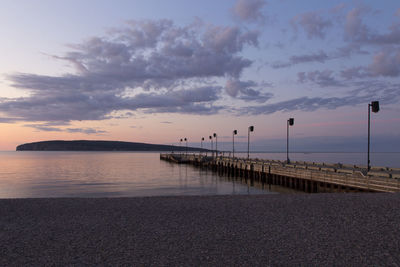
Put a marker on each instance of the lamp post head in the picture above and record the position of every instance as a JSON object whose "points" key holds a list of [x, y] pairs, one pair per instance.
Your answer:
{"points": [[291, 121], [251, 128], [185, 139], [215, 135], [375, 106], [202, 139], [181, 140], [235, 132], [210, 137]]}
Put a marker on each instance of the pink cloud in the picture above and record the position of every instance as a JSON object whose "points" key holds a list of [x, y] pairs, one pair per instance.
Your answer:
{"points": [[249, 10]]}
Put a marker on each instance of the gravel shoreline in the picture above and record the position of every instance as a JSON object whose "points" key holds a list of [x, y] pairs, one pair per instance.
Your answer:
{"points": [[269, 230]]}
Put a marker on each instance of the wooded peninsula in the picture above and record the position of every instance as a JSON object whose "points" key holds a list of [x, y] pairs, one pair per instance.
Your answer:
{"points": [[91, 145]]}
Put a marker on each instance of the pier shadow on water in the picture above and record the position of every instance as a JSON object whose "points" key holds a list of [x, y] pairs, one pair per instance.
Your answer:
{"points": [[240, 184]]}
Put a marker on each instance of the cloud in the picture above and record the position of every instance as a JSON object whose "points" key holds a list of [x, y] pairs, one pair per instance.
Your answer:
{"points": [[249, 10], [317, 57], [43, 128], [140, 67], [8, 120], [338, 8], [354, 27], [312, 23], [385, 92], [322, 78], [386, 63], [357, 31], [349, 49], [392, 37], [320, 57], [48, 128], [355, 72], [166, 122], [190, 101], [85, 130], [244, 90]]}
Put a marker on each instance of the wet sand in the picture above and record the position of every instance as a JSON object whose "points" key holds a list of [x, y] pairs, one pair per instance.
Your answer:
{"points": [[306, 229]]}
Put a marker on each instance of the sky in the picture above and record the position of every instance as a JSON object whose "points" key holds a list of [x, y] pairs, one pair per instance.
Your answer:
{"points": [[157, 71]]}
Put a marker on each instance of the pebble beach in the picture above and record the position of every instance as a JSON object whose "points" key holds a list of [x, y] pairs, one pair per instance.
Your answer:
{"points": [[259, 230]]}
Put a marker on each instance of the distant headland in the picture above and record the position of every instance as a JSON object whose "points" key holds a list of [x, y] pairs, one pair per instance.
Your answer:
{"points": [[90, 145]]}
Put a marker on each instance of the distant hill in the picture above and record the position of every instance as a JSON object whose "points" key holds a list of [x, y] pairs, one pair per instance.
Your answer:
{"points": [[87, 145]]}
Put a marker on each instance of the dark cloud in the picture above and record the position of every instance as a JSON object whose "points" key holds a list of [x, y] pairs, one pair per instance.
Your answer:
{"points": [[355, 72], [85, 130], [301, 103], [245, 90], [322, 78], [312, 23], [384, 92], [47, 128], [140, 67], [350, 49], [166, 122], [8, 120], [191, 101], [320, 57], [44, 128], [249, 10]]}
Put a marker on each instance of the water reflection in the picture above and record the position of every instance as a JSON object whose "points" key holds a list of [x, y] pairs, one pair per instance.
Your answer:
{"points": [[109, 174]]}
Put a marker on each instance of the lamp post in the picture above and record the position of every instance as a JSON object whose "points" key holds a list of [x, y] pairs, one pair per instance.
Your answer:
{"points": [[180, 145], [233, 142], [201, 144], [290, 122], [186, 145], [212, 146], [251, 129], [375, 108], [216, 144]]}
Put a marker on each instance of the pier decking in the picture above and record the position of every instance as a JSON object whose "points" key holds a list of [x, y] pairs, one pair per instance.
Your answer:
{"points": [[305, 176]]}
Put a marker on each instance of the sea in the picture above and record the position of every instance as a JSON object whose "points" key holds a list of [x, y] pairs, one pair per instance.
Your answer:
{"points": [[54, 174]]}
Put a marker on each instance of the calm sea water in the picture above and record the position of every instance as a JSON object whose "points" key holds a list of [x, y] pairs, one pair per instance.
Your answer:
{"points": [[129, 174], [107, 174]]}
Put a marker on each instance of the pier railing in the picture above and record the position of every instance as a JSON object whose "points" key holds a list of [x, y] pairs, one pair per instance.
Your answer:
{"points": [[319, 175]]}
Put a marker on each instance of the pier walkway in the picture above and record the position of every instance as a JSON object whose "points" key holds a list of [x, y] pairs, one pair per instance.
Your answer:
{"points": [[305, 176]]}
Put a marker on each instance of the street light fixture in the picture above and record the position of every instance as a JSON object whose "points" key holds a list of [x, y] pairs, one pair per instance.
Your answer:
{"points": [[375, 108], [290, 122], [212, 146], [233, 142], [251, 129], [216, 144]]}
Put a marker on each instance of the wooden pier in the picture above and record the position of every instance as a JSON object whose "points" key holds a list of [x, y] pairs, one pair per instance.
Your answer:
{"points": [[304, 176]]}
